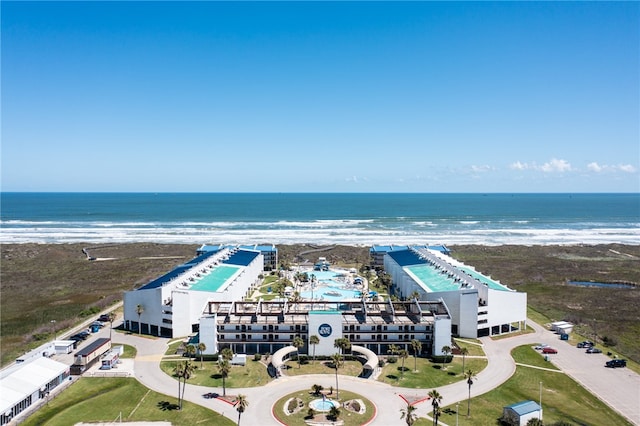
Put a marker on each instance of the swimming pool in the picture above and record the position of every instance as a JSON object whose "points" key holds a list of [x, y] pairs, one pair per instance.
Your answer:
{"points": [[330, 286]]}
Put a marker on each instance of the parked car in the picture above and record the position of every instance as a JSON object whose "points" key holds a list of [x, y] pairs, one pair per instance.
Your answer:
{"points": [[104, 318], [614, 363], [96, 324], [586, 344], [540, 346], [549, 350], [79, 336], [594, 350]]}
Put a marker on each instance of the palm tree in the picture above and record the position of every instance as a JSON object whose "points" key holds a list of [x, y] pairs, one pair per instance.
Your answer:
{"points": [[241, 405], [469, 375], [343, 344], [334, 413], [416, 346], [178, 371], [316, 389], [464, 352], [227, 354], [403, 354], [314, 340], [446, 350], [298, 343], [139, 311], [224, 368], [393, 349], [191, 350], [337, 363], [436, 399], [187, 370], [408, 414], [201, 348]]}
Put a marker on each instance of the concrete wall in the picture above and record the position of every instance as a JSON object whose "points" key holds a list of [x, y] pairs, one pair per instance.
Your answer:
{"points": [[317, 326]]}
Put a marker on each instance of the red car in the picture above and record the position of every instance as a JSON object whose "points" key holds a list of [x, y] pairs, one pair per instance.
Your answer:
{"points": [[549, 351]]}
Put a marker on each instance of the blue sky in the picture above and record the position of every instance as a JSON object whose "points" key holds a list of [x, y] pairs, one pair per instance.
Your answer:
{"points": [[321, 97]]}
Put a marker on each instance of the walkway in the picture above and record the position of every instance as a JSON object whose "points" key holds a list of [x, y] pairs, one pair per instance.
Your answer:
{"points": [[620, 388]]}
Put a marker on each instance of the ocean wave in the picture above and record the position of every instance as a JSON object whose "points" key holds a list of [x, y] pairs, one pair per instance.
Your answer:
{"points": [[318, 235]]}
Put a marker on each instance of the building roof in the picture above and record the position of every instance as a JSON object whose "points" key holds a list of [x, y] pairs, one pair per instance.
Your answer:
{"points": [[406, 258], [28, 378], [524, 407]]}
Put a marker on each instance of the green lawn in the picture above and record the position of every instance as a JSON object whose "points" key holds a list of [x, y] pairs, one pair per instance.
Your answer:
{"points": [[527, 355], [474, 349], [562, 397], [349, 368], [429, 375], [254, 373], [106, 399], [298, 419]]}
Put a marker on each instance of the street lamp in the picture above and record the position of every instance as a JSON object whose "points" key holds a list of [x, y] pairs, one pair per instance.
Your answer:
{"points": [[540, 411], [53, 325]]}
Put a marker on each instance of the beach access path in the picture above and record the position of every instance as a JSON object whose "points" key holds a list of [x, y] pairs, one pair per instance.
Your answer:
{"points": [[619, 388]]}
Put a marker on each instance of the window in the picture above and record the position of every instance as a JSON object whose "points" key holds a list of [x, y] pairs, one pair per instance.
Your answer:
{"points": [[237, 327], [264, 327]]}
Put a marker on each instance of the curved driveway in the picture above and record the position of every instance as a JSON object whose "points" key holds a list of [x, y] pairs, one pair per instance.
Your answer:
{"points": [[620, 388]]}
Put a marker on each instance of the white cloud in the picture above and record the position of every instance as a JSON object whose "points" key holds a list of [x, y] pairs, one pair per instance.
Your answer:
{"points": [[518, 166], [627, 168], [556, 165], [594, 167], [553, 166], [597, 168], [481, 169]]}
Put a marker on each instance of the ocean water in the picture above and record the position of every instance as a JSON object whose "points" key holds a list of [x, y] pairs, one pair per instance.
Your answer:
{"points": [[320, 218]]}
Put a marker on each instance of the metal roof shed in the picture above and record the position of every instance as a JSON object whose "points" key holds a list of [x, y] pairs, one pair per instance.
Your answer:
{"points": [[521, 412]]}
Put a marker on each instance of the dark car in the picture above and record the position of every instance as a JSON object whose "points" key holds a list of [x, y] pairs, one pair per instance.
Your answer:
{"points": [[593, 350], [615, 363], [104, 318], [586, 344], [549, 351]]}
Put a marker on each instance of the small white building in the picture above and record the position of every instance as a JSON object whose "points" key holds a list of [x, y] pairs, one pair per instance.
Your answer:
{"points": [[520, 413], [28, 382]]}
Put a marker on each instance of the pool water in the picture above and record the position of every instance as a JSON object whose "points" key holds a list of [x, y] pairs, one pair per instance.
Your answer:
{"points": [[597, 284], [323, 405], [329, 287]]}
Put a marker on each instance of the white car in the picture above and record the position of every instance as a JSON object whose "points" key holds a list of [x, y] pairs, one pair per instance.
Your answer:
{"points": [[541, 346]]}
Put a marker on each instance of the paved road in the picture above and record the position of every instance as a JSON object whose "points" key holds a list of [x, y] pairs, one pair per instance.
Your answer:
{"points": [[620, 388]]}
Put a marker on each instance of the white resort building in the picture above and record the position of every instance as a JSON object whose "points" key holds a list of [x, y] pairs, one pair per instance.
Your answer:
{"points": [[479, 306], [171, 305]]}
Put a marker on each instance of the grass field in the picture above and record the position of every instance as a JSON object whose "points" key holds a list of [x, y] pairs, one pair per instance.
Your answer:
{"points": [[111, 399], [252, 374], [429, 374]]}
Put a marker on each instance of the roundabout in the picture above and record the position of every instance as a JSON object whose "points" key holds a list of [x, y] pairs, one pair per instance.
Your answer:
{"points": [[319, 406]]}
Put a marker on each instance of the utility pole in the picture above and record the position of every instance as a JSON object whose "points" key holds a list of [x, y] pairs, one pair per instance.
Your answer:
{"points": [[457, 409]]}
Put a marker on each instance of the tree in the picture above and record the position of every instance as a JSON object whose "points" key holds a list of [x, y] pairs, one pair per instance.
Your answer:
{"points": [[436, 399], [178, 371], [414, 295], [464, 352], [224, 368], [191, 350], [469, 375], [316, 389], [403, 354], [201, 348], [446, 350], [298, 343], [139, 311], [314, 340], [241, 405], [409, 415], [343, 344], [535, 422], [334, 413], [416, 346], [187, 370], [393, 349], [337, 363], [226, 354]]}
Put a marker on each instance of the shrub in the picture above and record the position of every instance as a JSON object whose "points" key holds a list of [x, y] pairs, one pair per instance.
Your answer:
{"points": [[381, 363], [292, 405], [257, 357], [392, 359]]}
